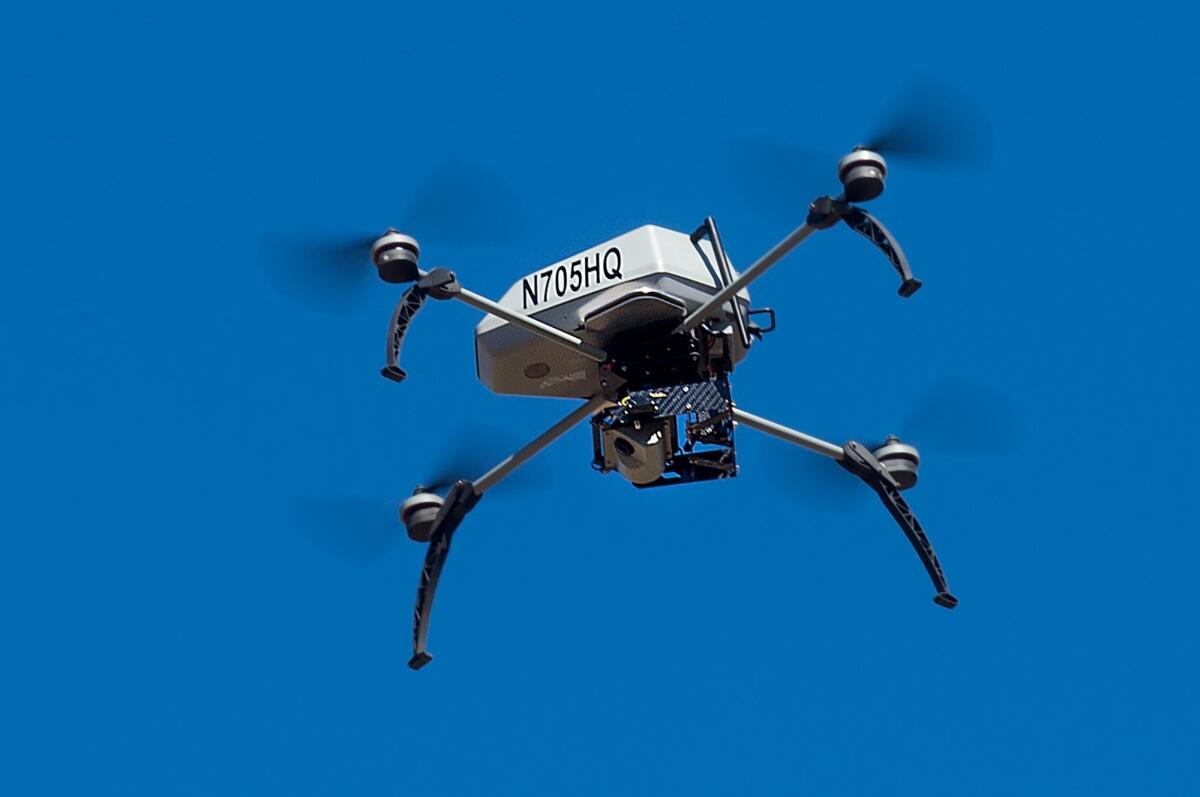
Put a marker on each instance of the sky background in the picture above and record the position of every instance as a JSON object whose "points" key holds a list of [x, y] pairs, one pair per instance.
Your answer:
{"points": [[175, 621]]}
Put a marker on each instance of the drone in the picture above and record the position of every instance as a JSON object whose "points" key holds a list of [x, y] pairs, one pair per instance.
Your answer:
{"points": [[646, 329]]}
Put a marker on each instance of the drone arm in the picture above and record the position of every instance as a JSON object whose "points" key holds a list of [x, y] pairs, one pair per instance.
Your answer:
{"points": [[542, 330], [773, 256], [489, 480], [443, 284], [461, 499], [862, 463], [824, 212], [855, 458], [801, 439]]}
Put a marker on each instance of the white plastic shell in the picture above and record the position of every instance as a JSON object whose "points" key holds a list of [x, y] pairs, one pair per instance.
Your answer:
{"points": [[650, 274]]}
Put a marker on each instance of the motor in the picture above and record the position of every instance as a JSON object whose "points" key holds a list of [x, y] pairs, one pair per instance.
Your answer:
{"points": [[900, 459], [396, 255], [418, 513], [862, 173]]}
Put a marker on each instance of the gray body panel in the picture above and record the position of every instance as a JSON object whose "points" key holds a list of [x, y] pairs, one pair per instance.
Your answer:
{"points": [[647, 275]]}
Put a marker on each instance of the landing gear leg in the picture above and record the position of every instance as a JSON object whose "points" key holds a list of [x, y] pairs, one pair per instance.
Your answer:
{"points": [[459, 501]]}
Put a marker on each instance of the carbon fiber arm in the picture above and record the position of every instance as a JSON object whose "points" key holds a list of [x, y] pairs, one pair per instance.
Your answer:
{"points": [[859, 461], [412, 301]]}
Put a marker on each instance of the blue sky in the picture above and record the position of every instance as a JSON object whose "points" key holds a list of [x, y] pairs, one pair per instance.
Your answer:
{"points": [[172, 624]]}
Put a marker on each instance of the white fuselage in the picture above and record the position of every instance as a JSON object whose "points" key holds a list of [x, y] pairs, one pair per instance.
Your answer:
{"points": [[648, 276]]}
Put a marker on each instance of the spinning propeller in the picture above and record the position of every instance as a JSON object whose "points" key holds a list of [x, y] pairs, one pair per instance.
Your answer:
{"points": [[956, 416], [930, 125], [362, 529], [460, 203], [935, 126]]}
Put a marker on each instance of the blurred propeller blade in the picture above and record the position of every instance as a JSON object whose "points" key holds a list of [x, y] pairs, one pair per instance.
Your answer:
{"points": [[459, 202], [474, 450], [355, 529], [956, 416], [325, 273], [816, 481], [934, 124], [361, 529], [964, 416], [464, 203], [931, 124], [463, 462], [778, 180]]}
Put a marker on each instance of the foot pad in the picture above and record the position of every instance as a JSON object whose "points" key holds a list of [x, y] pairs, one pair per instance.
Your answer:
{"points": [[419, 660], [946, 599], [393, 373]]}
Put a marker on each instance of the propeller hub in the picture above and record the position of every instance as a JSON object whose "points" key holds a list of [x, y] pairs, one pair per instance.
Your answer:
{"points": [[395, 255], [862, 173]]}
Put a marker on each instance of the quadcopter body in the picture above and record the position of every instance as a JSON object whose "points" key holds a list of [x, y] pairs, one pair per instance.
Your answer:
{"points": [[670, 422], [642, 280], [647, 329]]}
